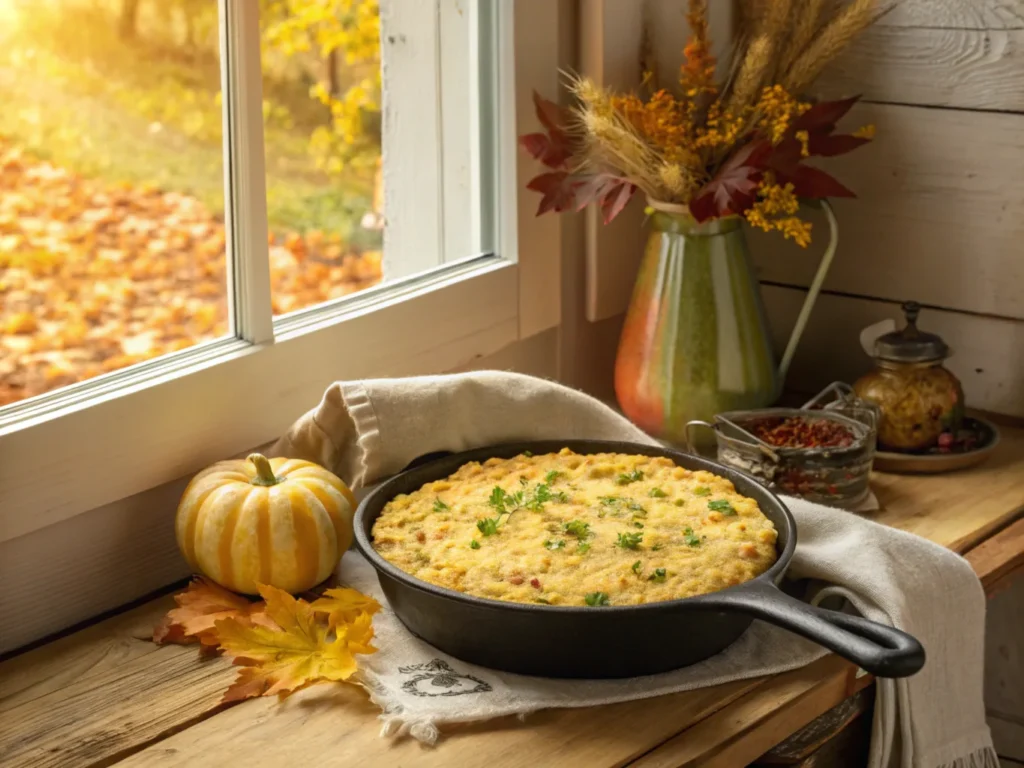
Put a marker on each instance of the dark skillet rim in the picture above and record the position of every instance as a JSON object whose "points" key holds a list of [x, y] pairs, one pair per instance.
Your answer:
{"points": [[709, 600]]}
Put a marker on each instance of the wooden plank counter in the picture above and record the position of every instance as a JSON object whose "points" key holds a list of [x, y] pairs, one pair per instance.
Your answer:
{"points": [[107, 696]]}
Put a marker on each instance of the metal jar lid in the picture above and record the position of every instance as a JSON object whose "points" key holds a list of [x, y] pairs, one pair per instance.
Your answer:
{"points": [[911, 345]]}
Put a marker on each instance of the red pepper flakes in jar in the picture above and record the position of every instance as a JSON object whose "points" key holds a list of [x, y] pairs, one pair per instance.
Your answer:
{"points": [[797, 432]]}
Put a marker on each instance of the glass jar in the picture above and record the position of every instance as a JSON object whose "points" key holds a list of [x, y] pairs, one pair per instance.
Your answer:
{"points": [[917, 397]]}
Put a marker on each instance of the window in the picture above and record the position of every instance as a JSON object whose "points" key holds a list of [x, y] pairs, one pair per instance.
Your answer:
{"points": [[241, 241]]}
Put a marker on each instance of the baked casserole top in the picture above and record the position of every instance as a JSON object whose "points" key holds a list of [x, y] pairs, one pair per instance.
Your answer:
{"points": [[572, 529]]}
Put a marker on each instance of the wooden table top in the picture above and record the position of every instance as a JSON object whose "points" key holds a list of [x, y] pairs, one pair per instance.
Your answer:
{"points": [[106, 696]]}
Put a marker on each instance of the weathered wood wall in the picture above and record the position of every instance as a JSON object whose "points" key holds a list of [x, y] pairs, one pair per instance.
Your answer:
{"points": [[940, 213]]}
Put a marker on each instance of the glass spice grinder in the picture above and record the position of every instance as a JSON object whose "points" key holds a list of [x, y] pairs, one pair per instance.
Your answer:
{"points": [[918, 398]]}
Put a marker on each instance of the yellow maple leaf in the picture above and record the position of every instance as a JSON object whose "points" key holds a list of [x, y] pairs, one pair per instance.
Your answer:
{"points": [[343, 605], [200, 607], [299, 654]]}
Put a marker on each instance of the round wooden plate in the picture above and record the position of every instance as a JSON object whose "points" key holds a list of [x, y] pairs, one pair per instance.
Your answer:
{"points": [[935, 463]]}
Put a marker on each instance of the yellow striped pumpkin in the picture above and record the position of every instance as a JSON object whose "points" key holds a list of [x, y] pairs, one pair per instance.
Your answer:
{"points": [[282, 522]]}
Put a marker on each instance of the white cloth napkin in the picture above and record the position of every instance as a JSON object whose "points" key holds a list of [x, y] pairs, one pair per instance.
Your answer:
{"points": [[367, 430]]}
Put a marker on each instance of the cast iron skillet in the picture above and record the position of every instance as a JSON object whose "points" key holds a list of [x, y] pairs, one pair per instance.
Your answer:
{"points": [[624, 641]]}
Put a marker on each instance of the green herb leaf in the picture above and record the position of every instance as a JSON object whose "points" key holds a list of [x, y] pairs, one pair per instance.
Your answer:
{"points": [[528, 454], [658, 576], [691, 539], [656, 547], [523, 481], [440, 506], [630, 477], [637, 524], [702, 490], [577, 528], [610, 501], [636, 507], [596, 598], [474, 544], [657, 493], [551, 476], [583, 548], [488, 526], [541, 600], [679, 502], [554, 544], [721, 505], [629, 540], [637, 567]]}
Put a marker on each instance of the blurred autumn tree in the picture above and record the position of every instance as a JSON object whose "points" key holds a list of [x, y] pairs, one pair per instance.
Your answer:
{"points": [[336, 31]]}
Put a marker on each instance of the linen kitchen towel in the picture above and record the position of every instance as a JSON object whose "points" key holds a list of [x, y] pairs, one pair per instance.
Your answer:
{"points": [[367, 430]]}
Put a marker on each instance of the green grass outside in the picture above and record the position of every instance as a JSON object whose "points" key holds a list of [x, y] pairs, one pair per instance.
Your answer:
{"points": [[148, 113]]}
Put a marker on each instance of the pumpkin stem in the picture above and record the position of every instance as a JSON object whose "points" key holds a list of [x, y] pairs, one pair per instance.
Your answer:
{"points": [[264, 472]]}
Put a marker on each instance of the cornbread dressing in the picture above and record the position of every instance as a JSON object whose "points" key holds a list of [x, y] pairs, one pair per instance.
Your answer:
{"points": [[571, 529]]}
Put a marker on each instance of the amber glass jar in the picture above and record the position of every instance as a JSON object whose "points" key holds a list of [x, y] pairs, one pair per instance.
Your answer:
{"points": [[917, 397]]}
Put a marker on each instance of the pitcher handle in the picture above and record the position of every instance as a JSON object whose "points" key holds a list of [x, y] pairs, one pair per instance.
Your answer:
{"points": [[812, 293]]}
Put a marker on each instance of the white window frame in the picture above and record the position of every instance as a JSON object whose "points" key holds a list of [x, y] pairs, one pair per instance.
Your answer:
{"points": [[87, 445]]}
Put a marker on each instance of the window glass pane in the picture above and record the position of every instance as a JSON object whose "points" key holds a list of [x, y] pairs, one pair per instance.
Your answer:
{"points": [[368, 145], [111, 187]]}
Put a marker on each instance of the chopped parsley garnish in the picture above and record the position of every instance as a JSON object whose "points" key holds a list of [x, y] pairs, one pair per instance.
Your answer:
{"points": [[541, 600], [613, 503], [636, 507], [630, 540], [596, 598], [656, 547], [440, 506], [630, 477], [505, 503], [474, 544], [679, 502], [488, 526], [528, 454], [637, 567], [577, 528], [551, 476], [691, 538], [658, 576], [637, 524], [554, 544], [657, 493], [583, 548], [721, 505], [702, 491]]}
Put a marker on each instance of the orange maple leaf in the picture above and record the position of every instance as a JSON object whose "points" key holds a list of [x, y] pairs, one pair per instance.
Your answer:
{"points": [[200, 607], [294, 656], [343, 605]]}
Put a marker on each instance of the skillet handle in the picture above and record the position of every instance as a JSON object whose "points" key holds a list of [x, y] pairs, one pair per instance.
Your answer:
{"points": [[881, 650]]}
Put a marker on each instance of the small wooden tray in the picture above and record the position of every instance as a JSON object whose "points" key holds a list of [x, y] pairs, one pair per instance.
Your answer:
{"points": [[935, 463]]}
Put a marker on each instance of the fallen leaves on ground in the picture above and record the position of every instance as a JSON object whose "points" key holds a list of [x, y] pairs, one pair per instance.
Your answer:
{"points": [[200, 607], [95, 276], [282, 643]]}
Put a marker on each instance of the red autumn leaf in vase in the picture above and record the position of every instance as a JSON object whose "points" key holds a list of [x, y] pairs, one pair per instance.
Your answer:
{"points": [[734, 187], [557, 191], [812, 182], [821, 145], [824, 115], [540, 146]]}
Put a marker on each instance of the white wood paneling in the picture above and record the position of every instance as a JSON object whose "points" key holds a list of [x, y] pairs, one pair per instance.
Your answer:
{"points": [[957, 14], [988, 353], [411, 141], [939, 217], [457, 236], [966, 68]]}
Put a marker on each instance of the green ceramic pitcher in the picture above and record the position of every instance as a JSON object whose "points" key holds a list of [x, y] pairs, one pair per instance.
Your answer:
{"points": [[696, 340]]}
